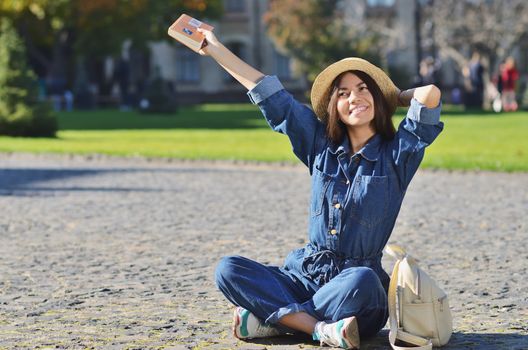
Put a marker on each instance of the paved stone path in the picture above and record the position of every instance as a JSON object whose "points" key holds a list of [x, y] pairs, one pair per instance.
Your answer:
{"points": [[116, 253]]}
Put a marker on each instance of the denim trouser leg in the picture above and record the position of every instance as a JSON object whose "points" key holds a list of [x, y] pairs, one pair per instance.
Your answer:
{"points": [[270, 294], [258, 288], [356, 291]]}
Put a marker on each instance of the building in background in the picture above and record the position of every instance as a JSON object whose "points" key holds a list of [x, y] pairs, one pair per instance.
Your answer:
{"points": [[408, 28], [199, 79]]}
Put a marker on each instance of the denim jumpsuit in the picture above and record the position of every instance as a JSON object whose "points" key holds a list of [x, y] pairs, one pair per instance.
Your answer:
{"points": [[355, 200]]}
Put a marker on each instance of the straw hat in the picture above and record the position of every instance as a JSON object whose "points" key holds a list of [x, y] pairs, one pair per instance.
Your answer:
{"points": [[322, 86]]}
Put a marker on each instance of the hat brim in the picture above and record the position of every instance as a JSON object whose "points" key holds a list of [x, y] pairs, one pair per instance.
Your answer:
{"points": [[321, 88]]}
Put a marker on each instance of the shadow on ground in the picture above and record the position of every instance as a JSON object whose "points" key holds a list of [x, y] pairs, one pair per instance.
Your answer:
{"points": [[378, 342], [459, 340], [513, 341], [22, 181]]}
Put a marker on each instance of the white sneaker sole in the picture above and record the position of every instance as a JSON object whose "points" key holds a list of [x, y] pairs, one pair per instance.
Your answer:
{"points": [[236, 323], [350, 333]]}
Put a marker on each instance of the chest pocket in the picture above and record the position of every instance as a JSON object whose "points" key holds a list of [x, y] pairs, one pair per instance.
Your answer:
{"points": [[370, 200], [321, 183]]}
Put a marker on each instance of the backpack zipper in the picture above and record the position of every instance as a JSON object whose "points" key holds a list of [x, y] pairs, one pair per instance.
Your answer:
{"points": [[441, 301], [418, 285]]}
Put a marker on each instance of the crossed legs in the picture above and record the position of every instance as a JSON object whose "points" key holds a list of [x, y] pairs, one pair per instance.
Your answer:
{"points": [[279, 298]]}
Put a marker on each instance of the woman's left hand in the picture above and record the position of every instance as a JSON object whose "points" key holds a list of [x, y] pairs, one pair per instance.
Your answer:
{"points": [[428, 95]]}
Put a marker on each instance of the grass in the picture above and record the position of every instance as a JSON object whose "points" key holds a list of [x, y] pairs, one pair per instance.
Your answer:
{"points": [[238, 132], [481, 142], [229, 132]]}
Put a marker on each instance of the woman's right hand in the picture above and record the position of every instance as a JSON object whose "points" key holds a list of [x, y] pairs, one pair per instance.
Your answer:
{"points": [[211, 42]]}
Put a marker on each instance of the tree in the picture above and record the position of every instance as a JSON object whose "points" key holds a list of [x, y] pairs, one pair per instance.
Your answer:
{"points": [[57, 32], [317, 33], [21, 113], [493, 27]]}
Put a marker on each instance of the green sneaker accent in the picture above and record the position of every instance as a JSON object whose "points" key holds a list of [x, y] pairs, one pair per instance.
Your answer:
{"points": [[343, 333], [339, 326], [243, 323]]}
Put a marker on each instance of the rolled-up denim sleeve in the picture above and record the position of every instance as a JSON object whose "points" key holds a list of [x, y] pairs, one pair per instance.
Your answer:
{"points": [[417, 131], [266, 87], [288, 116]]}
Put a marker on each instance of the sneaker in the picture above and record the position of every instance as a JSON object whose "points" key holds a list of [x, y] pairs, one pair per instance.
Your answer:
{"points": [[343, 333], [246, 325]]}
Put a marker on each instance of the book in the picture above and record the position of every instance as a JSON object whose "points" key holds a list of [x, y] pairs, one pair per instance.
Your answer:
{"points": [[184, 29]]}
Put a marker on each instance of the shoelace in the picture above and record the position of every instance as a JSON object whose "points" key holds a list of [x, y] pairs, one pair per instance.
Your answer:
{"points": [[322, 330], [263, 328]]}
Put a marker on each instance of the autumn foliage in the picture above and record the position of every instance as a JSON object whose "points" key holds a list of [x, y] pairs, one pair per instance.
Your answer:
{"points": [[315, 33]]}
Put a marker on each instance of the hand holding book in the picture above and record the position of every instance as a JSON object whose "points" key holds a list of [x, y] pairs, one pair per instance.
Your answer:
{"points": [[186, 30], [210, 42], [199, 37]]}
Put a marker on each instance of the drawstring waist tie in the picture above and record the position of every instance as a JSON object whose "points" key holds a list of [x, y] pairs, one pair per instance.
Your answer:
{"points": [[321, 266]]}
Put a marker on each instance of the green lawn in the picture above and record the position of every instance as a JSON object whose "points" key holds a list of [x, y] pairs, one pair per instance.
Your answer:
{"points": [[469, 141]]}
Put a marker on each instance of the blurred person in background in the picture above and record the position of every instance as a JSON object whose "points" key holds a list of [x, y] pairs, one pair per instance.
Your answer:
{"points": [[429, 72], [509, 77], [122, 78], [496, 89], [474, 75]]}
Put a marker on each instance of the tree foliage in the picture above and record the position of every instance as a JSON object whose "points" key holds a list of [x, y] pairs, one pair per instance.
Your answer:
{"points": [[96, 28], [317, 33], [493, 27], [21, 114]]}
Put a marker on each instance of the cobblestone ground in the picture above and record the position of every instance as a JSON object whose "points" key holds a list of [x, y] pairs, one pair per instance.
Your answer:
{"points": [[116, 253]]}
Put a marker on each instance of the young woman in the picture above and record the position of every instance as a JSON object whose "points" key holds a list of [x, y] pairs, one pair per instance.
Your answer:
{"points": [[334, 288]]}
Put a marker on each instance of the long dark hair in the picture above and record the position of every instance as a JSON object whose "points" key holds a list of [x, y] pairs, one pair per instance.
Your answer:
{"points": [[382, 122]]}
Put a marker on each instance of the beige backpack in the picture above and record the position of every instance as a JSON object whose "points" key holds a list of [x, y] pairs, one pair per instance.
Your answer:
{"points": [[418, 309]]}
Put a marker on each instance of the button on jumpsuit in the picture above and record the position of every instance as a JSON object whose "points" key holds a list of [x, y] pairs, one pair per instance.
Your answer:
{"points": [[354, 204]]}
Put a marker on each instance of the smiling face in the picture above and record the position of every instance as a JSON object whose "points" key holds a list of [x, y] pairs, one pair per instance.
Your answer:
{"points": [[355, 103], [352, 89]]}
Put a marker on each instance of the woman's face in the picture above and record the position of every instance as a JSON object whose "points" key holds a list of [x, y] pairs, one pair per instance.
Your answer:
{"points": [[355, 103]]}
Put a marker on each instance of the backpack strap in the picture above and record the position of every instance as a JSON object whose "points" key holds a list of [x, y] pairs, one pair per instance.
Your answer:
{"points": [[395, 332], [395, 251]]}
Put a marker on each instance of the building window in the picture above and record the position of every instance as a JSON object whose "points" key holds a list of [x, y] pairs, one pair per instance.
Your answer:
{"points": [[188, 66], [235, 6], [282, 66]]}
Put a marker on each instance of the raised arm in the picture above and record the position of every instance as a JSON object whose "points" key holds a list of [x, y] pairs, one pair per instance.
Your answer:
{"points": [[417, 131], [428, 95], [283, 113], [240, 70]]}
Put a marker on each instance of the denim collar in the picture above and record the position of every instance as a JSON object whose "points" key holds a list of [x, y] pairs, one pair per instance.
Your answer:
{"points": [[343, 147], [370, 151]]}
